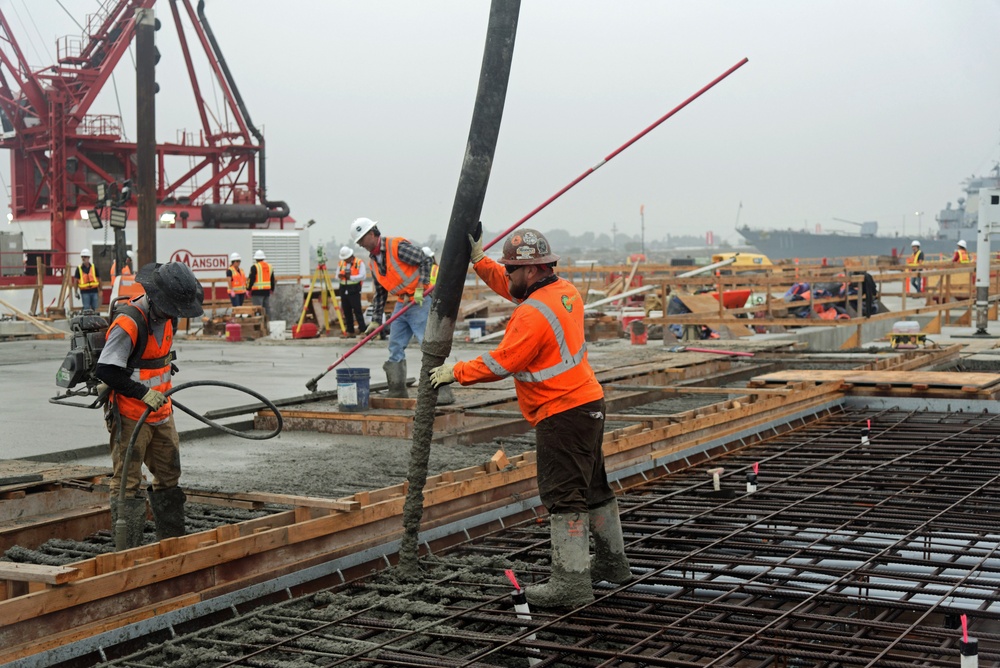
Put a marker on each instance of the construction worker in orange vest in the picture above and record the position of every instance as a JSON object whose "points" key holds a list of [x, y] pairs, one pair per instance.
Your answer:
{"points": [[544, 351], [237, 280], [400, 269], [88, 282], [127, 269], [127, 286], [351, 273], [961, 253], [426, 250], [261, 282], [137, 364]]}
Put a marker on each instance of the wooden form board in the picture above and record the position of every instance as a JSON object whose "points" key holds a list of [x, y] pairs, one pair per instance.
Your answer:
{"points": [[21, 474], [925, 379]]}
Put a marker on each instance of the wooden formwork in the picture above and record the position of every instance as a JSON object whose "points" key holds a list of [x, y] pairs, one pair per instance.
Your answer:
{"points": [[48, 607]]}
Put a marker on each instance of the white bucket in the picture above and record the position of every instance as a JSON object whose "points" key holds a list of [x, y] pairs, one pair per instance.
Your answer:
{"points": [[276, 330]]}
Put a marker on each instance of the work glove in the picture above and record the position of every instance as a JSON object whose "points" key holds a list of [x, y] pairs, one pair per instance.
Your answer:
{"points": [[232, 293], [442, 375], [77, 293], [476, 244], [372, 326], [418, 295], [154, 399]]}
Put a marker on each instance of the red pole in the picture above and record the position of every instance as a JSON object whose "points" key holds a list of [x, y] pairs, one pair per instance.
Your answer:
{"points": [[311, 385]]}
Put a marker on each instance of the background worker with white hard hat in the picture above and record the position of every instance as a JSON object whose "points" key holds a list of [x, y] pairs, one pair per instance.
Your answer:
{"points": [[351, 273], [127, 270], [402, 270], [87, 282], [429, 252], [914, 261], [261, 282], [961, 253], [237, 280]]}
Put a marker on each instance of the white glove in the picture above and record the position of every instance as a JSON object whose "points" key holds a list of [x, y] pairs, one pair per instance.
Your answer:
{"points": [[476, 247], [372, 326], [154, 399], [442, 375]]}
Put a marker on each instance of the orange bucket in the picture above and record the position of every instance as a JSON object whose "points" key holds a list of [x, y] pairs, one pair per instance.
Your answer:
{"points": [[637, 332]]}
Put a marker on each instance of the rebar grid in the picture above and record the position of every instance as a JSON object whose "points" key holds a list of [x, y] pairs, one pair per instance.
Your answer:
{"points": [[848, 554]]}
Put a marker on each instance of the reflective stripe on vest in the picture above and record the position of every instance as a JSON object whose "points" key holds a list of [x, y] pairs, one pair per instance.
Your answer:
{"points": [[238, 281], [154, 379], [88, 280], [434, 274], [567, 361], [395, 280], [263, 276]]}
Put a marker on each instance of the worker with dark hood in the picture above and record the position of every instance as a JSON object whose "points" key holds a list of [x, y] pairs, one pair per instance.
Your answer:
{"points": [[137, 364], [544, 351]]}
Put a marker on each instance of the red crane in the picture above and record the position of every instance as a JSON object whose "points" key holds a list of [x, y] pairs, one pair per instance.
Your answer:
{"points": [[60, 153]]}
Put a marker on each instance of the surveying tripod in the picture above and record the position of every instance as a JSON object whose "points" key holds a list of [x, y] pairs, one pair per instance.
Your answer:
{"points": [[326, 288]]}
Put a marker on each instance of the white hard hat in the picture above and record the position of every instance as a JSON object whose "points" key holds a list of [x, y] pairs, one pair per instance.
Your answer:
{"points": [[233, 257], [130, 254], [259, 255], [426, 250], [961, 243], [85, 252], [345, 252], [360, 227], [914, 243]]}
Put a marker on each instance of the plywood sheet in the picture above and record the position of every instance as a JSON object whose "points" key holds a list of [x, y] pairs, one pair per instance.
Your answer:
{"points": [[948, 379]]}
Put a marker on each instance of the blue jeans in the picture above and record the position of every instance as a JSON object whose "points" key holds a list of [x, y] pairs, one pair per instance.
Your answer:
{"points": [[90, 299], [405, 327]]}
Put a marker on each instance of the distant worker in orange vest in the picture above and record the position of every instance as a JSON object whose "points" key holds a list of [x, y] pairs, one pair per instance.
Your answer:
{"points": [[961, 253], [261, 282], [914, 261], [127, 269], [137, 364], [237, 280], [544, 350], [351, 273], [401, 270], [88, 282], [127, 286]]}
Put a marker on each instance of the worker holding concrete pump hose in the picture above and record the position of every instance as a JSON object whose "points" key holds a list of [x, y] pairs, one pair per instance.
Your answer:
{"points": [[544, 350], [137, 364]]}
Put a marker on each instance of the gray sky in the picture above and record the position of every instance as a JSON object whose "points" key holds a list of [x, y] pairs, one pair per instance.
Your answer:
{"points": [[854, 109]]}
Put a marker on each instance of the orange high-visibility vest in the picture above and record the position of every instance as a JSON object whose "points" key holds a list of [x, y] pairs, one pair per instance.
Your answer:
{"points": [[126, 271], [962, 256], [157, 378], [543, 349], [350, 268], [238, 281], [262, 283], [915, 258], [396, 280], [88, 279]]}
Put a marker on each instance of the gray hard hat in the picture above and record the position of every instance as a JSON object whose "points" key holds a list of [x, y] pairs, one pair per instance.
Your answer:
{"points": [[173, 288]]}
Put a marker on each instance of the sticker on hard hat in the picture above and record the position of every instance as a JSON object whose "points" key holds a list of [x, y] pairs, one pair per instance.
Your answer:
{"points": [[525, 252], [530, 238]]}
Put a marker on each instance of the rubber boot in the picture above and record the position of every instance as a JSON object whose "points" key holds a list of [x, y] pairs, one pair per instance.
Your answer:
{"points": [[569, 586], [610, 563], [445, 395], [395, 376], [168, 511], [135, 520]]}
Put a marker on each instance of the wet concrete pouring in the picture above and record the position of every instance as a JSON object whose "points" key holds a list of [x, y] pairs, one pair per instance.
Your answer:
{"points": [[460, 604]]}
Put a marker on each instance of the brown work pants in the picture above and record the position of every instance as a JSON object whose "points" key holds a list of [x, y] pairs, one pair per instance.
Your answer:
{"points": [[571, 475], [157, 446]]}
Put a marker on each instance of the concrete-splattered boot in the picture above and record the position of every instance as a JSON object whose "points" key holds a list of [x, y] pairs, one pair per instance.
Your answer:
{"points": [[134, 518], [569, 585], [168, 511], [445, 395], [610, 563], [395, 376]]}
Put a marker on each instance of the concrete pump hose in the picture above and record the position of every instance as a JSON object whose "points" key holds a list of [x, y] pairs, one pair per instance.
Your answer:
{"points": [[119, 529]]}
